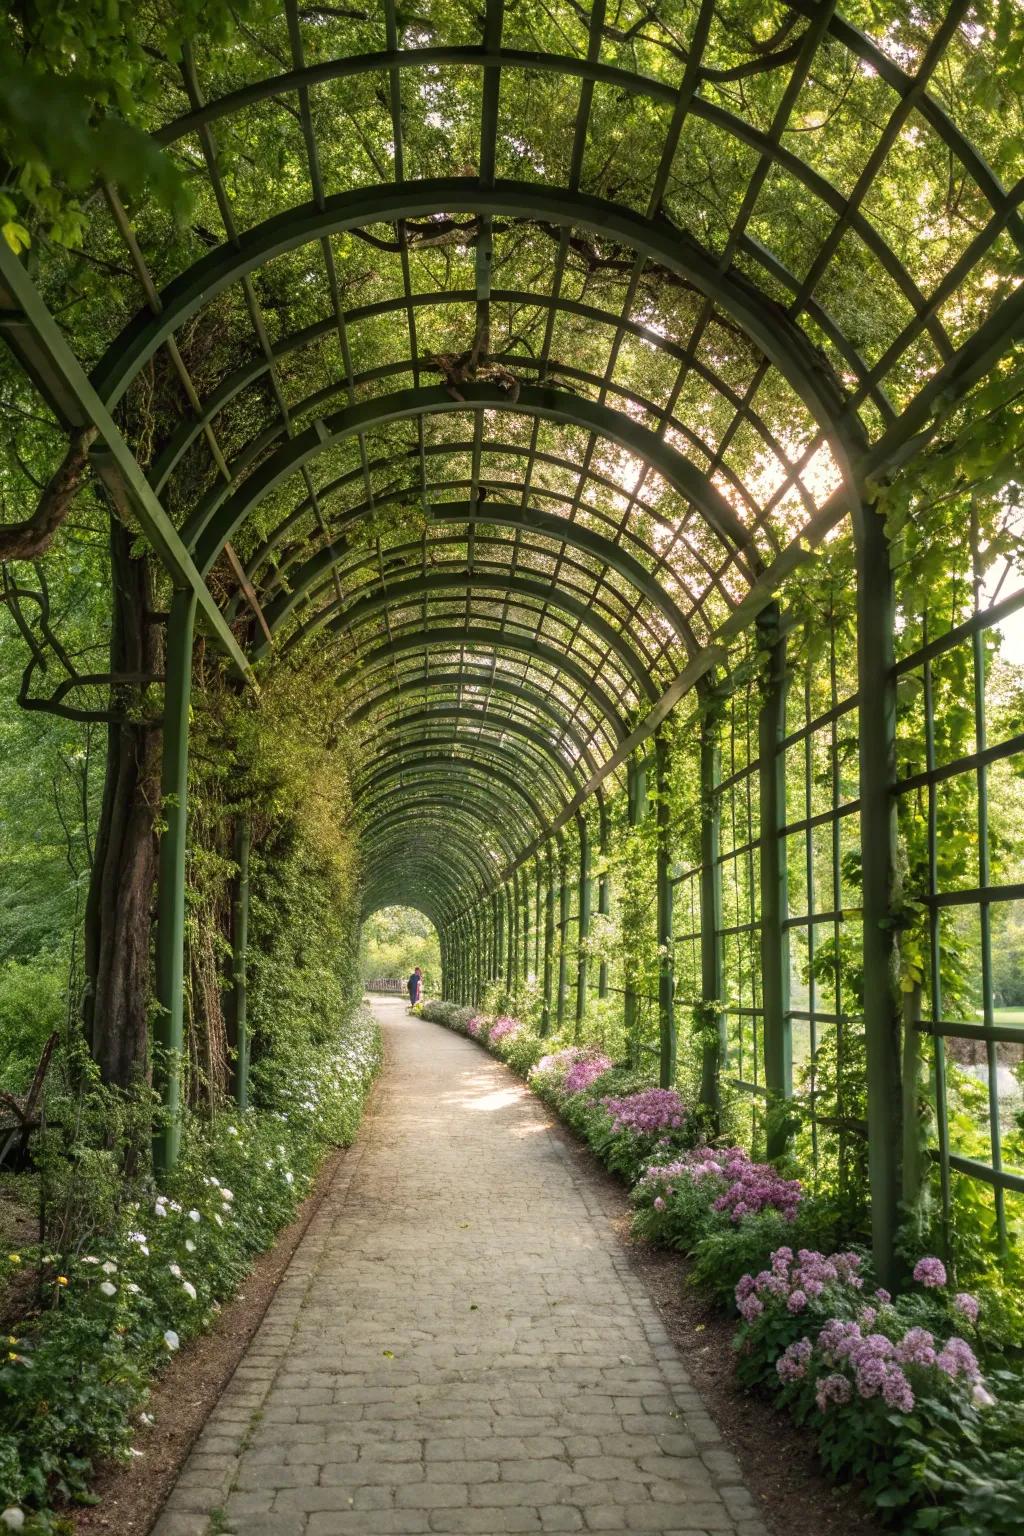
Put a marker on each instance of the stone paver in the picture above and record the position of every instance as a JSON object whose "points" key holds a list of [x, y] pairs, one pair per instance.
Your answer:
{"points": [[459, 1344]]}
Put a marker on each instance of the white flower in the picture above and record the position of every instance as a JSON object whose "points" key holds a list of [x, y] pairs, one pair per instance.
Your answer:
{"points": [[147, 1419], [981, 1397], [138, 1237], [281, 1150], [160, 1208], [175, 1270], [174, 1206], [89, 1259], [13, 1518], [190, 1246], [289, 1178], [108, 1289], [132, 1288], [269, 1164], [226, 1194], [109, 1268], [171, 1339], [218, 1218], [194, 1215], [232, 1130], [189, 1289]]}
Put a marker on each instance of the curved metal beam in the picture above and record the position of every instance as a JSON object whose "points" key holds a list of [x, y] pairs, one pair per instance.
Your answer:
{"points": [[777, 337], [476, 802], [497, 515], [437, 585], [208, 534], [445, 713], [459, 769], [454, 637], [560, 789], [494, 682]]}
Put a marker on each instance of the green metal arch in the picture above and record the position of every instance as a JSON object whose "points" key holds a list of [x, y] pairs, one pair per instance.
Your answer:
{"points": [[431, 586], [778, 338], [479, 802], [192, 424], [207, 539], [444, 713], [526, 519], [453, 638], [490, 446], [467, 869], [496, 683], [405, 755], [371, 788]]}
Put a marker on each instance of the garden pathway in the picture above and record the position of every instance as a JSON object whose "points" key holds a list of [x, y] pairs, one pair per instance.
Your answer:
{"points": [[459, 1343]]}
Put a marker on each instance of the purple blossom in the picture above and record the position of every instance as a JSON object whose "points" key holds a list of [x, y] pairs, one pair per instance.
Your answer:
{"points": [[504, 1027], [917, 1347], [957, 1358], [797, 1301], [832, 1389], [750, 1308], [648, 1112], [477, 1026], [792, 1363], [967, 1305], [930, 1272], [586, 1070]]}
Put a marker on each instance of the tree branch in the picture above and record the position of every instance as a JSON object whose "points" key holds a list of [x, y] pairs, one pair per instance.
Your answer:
{"points": [[27, 540]]}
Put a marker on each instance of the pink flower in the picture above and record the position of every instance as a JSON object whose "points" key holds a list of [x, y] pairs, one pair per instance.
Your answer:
{"points": [[797, 1301], [646, 1113], [967, 1306], [930, 1272], [659, 1204], [792, 1363], [832, 1389]]}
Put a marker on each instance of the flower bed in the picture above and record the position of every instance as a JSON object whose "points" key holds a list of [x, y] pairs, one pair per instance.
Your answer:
{"points": [[893, 1391], [74, 1378]]}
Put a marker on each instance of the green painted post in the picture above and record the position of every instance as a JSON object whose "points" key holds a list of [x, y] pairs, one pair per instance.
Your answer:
{"points": [[778, 1045], [239, 956], [511, 890], [564, 907], [549, 944], [537, 917], [584, 925], [666, 961], [713, 1019], [604, 890], [636, 809], [169, 1023], [882, 1009]]}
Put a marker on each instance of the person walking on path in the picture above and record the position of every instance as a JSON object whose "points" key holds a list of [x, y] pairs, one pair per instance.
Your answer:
{"points": [[415, 986]]}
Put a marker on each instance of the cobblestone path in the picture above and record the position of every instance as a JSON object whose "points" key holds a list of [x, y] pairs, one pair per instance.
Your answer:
{"points": [[459, 1344]]}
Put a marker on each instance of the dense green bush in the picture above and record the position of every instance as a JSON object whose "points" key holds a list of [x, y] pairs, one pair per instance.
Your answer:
{"points": [[33, 1003], [130, 1272]]}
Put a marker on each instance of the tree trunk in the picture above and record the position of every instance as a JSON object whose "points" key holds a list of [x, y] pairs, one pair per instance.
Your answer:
{"points": [[119, 911]]}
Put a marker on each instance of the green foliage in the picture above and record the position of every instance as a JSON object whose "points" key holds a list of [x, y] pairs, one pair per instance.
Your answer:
{"points": [[127, 1274], [395, 940], [33, 1003]]}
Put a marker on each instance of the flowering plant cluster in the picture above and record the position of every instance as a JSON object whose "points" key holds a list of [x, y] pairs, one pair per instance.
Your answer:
{"points": [[647, 1113], [679, 1201], [503, 1028], [159, 1275], [477, 1027], [881, 1390]]}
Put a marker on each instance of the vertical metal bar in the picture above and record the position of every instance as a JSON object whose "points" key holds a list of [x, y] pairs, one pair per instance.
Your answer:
{"points": [[537, 918], [239, 1041], [984, 909], [935, 954], [778, 1045], [584, 925], [666, 959], [564, 899], [549, 945], [636, 806], [512, 918], [882, 1009], [168, 1024], [713, 1016], [604, 890]]}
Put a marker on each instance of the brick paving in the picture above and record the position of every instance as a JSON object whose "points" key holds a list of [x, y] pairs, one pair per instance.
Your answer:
{"points": [[459, 1344]]}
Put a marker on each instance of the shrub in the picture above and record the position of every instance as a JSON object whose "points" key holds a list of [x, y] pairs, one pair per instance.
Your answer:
{"points": [[158, 1264]]}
